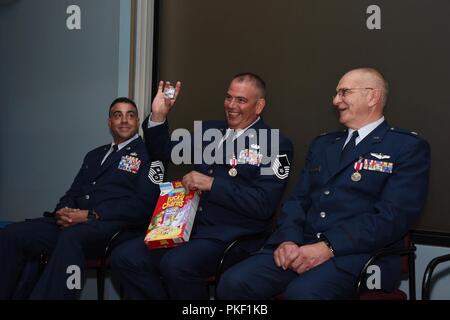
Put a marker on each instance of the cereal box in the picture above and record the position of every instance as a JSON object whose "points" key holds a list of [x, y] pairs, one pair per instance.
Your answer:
{"points": [[173, 217]]}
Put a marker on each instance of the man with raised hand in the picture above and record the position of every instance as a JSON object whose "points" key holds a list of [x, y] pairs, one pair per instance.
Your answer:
{"points": [[240, 190]]}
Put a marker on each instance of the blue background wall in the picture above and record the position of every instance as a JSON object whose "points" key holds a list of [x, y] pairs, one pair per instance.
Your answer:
{"points": [[56, 86]]}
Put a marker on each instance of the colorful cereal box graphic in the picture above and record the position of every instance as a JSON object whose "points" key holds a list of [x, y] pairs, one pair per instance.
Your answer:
{"points": [[173, 217]]}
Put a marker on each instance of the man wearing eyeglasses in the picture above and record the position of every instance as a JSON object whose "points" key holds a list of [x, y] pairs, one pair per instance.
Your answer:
{"points": [[360, 190], [112, 190]]}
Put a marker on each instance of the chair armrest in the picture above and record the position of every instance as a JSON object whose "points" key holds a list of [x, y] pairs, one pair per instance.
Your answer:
{"points": [[410, 251], [112, 241], [426, 282]]}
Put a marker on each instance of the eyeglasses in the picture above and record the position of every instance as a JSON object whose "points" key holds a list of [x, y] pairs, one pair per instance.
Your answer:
{"points": [[343, 92]]}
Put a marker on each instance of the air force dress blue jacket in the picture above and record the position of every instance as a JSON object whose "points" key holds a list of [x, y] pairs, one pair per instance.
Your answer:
{"points": [[118, 190], [236, 205], [358, 217]]}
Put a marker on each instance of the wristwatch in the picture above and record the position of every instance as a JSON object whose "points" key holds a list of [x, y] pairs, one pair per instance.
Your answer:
{"points": [[324, 239], [92, 215]]}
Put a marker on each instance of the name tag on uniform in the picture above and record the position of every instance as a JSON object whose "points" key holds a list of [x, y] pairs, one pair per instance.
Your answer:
{"points": [[129, 164]]}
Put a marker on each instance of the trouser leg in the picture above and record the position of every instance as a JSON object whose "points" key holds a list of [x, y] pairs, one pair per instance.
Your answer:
{"points": [[64, 275], [135, 269], [19, 243]]}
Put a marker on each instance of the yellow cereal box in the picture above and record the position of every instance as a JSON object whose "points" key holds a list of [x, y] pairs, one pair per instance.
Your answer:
{"points": [[173, 217]]}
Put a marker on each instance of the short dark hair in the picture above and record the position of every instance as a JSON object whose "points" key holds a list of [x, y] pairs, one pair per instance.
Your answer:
{"points": [[123, 100], [257, 81]]}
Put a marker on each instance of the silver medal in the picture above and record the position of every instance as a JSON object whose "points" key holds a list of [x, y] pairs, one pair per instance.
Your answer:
{"points": [[356, 176]]}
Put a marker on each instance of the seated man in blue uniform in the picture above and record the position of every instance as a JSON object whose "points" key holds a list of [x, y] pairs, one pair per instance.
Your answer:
{"points": [[360, 190], [239, 195], [111, 190]]}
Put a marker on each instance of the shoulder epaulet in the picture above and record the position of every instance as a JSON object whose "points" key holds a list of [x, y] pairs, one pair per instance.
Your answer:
{"points": [[404, 131], [332, 134]]}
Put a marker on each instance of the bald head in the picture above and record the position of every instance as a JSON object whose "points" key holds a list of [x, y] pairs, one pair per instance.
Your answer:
{"points": [[370, 77], [361, 96]]}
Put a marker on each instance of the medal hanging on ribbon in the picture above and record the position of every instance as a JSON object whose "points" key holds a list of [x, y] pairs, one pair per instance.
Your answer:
{"points": [[356, 176], [233, 163]]}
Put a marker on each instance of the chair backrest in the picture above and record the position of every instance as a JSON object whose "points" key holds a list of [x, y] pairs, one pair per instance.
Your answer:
{"points": [[427, 279], [407, 265]]}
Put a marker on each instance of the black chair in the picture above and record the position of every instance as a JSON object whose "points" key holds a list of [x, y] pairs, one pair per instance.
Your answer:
{"points": [[231, 257], [407, 268], [427, 277]]}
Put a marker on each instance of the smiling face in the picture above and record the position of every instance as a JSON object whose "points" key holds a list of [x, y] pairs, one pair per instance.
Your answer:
{"points": [[243, 104], [123, 122], [358, 99]]}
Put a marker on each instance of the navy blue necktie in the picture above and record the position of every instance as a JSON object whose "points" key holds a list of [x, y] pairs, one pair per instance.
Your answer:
{"points": [[114, 149], [349, 147]]}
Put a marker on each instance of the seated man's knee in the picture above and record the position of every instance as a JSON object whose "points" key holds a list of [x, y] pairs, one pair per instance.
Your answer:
{"points": [[297, 291], [131, 255], [15, 230], [311, 289], [70, 237], [120, 259], [230, 283], [173, 267], [20, 235]]}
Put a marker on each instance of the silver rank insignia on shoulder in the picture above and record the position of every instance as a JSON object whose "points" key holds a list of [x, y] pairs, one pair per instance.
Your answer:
{"points": [[380, 156], [281, 166], [156, 173]]}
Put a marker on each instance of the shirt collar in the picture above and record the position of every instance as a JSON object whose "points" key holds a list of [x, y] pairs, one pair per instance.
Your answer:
{"points": [[240, 131], [364, 131], [123, 144]]}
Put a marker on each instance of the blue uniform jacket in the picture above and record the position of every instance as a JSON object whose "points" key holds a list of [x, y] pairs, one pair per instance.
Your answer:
{"points": [[360, 217], [119, 190], [238, 205]]}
